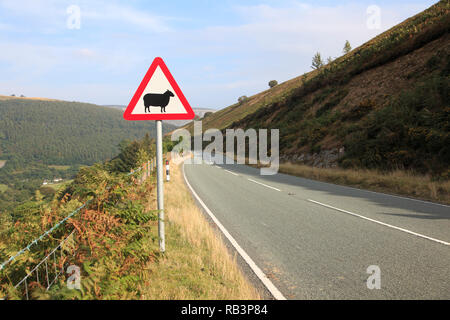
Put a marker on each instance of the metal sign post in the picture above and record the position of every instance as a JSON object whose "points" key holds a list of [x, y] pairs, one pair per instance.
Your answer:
{"points": [[160, 186], [159, 97]]}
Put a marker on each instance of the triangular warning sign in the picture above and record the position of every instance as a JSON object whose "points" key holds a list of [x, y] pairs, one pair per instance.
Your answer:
{"points": [[158, 97]]}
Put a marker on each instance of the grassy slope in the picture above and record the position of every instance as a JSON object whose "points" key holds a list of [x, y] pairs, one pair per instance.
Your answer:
{"points": [[322, 110], [317, 111], [197, 264], [3, 97], [409, 34], [58, 186]]}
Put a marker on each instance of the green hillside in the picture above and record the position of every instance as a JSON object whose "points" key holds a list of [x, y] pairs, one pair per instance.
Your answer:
{"points": [[42, 140], [384, 105], [64, 133]]}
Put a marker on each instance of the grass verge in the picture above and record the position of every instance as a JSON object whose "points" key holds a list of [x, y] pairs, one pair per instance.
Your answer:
{"points": [[396, 182], [197, 264], [58, 167]]}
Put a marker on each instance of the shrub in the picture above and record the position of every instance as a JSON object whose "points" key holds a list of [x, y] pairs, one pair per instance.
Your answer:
{"points": [[332, 103], [47, 192], [273, 83], [359, 111], [242, 99]]}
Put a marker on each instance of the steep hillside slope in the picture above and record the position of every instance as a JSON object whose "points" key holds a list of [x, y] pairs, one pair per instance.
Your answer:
{"points": [[383, 105]]}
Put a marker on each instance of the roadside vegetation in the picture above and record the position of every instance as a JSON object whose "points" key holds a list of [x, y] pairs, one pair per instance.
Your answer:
{"points": [[43, 139], [197, 264], [115, 239], [399, 182]]}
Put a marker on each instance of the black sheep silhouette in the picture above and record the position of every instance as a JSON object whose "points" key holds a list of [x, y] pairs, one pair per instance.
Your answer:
{"points": [[157, 100]]}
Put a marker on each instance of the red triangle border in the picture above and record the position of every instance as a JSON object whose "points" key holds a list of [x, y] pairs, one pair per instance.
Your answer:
{"points": [[127, 115]]}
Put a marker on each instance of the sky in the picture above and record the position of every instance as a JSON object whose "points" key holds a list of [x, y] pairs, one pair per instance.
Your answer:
{"points": [[216, 50]]}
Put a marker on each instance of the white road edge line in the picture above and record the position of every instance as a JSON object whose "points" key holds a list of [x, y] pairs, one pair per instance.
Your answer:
{"points": [[259, 273], [382, 223], [231, 172], [265, 185]]}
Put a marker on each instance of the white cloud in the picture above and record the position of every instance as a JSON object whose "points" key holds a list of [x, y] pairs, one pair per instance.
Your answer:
{"points": [[51, 15], [217, 63], [126, 15]]}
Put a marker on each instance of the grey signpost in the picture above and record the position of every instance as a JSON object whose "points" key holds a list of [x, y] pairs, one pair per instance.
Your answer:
{"points": [[160, 186], [148, 96]]}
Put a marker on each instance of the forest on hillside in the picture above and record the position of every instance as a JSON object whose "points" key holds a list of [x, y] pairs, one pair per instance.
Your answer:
{"points": [[64, 133], [46, 140]]}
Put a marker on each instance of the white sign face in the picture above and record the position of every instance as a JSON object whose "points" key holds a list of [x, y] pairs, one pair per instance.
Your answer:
{"points": [[158, 97], [159, 84]]}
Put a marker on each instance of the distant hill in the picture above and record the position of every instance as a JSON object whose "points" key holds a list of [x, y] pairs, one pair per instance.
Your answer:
{"points": [[383, 105], [3, 97], [116, 106], [200, 112], [61, 132]]}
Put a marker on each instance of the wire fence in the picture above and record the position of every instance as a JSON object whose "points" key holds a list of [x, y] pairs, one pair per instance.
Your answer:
{"points": [[44, 275]]}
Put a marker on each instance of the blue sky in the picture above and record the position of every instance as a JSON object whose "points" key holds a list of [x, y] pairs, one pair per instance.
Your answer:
{"points": [[216, 50]]}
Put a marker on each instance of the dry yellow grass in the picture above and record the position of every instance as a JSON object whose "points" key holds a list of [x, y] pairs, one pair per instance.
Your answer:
{"points": [[197, 264], [397, 182], [400, 182], [2, 97]]}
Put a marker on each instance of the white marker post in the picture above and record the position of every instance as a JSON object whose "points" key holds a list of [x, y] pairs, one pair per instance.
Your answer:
{"points": [[160, 186], [167, 171]]}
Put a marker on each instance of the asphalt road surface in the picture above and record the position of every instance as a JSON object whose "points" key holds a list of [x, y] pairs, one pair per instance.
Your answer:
{"points": [[315, 240]]}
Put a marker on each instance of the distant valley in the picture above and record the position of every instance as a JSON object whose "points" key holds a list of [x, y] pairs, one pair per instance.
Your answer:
{"points": [[200, 112]]}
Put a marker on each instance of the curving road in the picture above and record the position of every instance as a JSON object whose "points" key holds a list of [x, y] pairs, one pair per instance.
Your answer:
{"points": [[315, 240]]}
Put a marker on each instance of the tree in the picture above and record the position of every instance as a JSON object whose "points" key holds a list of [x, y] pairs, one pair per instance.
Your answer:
{"points": [[347, 47], [242, 99], [273, 83], [329, 60], [317, 61]]}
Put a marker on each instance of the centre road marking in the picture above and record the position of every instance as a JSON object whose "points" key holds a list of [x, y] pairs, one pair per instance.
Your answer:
{"points": [[382, 223], [259, 273], [231, 172], [265, 185]]}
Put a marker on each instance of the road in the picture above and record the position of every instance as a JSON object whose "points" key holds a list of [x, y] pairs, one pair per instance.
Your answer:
{"points": [[315, 240]]}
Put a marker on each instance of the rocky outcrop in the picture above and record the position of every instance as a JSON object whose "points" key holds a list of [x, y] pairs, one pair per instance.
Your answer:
{"points": [[322, 159]]}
